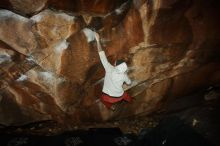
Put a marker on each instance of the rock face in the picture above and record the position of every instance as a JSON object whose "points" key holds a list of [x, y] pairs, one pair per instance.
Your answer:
{"points": [[28, 6], [50, 69]]}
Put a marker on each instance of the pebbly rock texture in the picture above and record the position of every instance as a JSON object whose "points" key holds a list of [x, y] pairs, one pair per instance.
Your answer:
{"points": [[50, 69], [28, 6], [16, 31]]}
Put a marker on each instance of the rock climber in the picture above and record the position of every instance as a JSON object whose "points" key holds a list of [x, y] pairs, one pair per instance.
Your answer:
{"points": [[115, 76]]}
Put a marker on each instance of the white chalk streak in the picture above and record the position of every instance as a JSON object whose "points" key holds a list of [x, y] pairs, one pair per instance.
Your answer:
{"points": [[9, 14], [89, 34], [61, 46], [22, 78], [4, 58]]}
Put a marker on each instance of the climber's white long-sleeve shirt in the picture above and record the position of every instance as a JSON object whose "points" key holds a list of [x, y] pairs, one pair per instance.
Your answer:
{"points": [[114, 77]]}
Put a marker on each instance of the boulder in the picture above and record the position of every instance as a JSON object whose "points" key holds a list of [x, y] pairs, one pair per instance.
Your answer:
{"points": [[15, 30], [28, 6], [170, 46]]}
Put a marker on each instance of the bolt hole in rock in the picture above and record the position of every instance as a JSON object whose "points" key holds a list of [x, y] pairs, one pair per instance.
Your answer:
{"points": [[109, 72]]}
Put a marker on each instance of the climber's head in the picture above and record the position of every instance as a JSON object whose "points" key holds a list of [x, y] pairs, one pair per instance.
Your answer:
{"points": [[121, 66], [118, 62]]}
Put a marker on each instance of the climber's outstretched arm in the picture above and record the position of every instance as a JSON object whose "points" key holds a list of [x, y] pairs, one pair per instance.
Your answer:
{"points": [[98, 42], [102, 55]]}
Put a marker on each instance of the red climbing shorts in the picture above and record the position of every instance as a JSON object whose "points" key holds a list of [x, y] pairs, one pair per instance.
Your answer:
{"points": [[109, 100]]}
